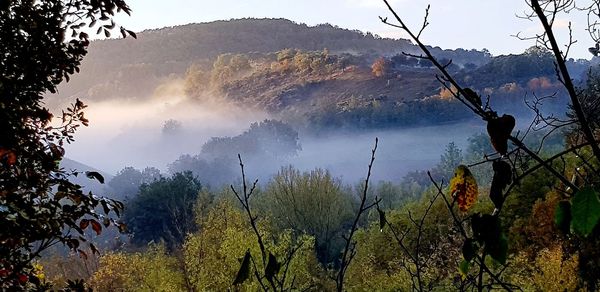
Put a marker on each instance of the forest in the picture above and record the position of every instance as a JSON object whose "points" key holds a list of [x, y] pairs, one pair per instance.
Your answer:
{"points": [[515, 209]]}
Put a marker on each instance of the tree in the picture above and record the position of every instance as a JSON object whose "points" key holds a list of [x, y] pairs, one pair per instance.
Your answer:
{"points": [[451, 158], [171, 127], [152, 270], [212, 255], [379, 67], [42, 45], [163, 210], [128, 180], [310, 202], [126, 183], [267, 139]]}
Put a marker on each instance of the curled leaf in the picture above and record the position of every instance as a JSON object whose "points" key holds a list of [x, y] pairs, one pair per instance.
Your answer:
{"points": [[8, 156], [94, 249], [272, 268], [469, 249], [502, 178], [463, 269], [499, 130], [96, 226], [244, 272], [472, 96], [95, 175]]}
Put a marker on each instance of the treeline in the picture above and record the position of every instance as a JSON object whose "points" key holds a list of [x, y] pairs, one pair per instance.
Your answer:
{"points": [[185, 235]]}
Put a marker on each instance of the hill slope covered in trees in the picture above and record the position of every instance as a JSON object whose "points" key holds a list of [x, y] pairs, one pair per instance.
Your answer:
{"points": [[313, 76]]}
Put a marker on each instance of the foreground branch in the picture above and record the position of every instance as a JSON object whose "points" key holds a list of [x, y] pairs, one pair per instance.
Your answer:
{"points": [[349, 249]]}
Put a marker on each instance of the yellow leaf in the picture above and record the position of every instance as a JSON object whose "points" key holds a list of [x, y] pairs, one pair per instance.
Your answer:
{"points": [[463, 187]]}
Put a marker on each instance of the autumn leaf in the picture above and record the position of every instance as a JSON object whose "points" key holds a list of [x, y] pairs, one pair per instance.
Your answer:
{"points": [[96, 226], [8, 156], [83, 224], [463, 187]]}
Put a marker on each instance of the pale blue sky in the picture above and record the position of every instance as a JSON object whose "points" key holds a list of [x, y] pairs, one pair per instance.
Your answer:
{"points": [[454, 23]]}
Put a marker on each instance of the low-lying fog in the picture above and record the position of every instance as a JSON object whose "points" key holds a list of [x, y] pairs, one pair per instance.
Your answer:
{"points": [[130, 133]]}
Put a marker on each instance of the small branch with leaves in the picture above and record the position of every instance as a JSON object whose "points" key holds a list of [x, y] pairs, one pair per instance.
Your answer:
{"points": [[273, 278]]}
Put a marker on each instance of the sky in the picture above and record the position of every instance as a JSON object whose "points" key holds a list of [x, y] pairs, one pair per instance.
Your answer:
{"points": [[469, 24]]}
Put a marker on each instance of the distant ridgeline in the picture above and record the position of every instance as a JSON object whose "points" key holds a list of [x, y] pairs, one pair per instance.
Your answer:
{"points": [[317, 77]]}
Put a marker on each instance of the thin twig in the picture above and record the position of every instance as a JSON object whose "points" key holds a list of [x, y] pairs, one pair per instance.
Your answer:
{"points": [[349, 249]]}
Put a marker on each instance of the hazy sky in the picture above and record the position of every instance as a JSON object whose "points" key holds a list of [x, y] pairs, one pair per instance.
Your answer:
{"points": [[454, 23]]}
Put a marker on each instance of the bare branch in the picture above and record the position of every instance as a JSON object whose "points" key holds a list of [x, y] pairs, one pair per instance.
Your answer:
{"points": [[349, 249]]}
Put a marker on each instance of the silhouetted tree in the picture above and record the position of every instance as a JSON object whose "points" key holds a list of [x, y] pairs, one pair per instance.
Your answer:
{"points": [[42, 44]]}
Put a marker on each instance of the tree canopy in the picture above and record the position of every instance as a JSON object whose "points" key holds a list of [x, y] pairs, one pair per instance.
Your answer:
{"points": [[42, 44]]}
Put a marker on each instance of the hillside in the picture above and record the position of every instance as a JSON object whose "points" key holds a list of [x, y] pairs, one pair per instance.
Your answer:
{"points": [[131, 68], [311, 76]]}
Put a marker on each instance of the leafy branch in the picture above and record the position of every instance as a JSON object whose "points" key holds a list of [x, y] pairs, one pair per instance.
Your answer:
{"points": [[272, 267]]}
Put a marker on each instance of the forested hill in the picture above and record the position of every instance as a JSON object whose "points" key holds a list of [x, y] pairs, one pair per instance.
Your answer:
{"points": [[312, 76], [130, 65]]}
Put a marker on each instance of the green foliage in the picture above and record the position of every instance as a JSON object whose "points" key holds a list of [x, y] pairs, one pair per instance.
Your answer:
{"points": [[562, 216], [504, 69], [449, 161], [521, 199], [478, 148], [128, 180], [151, 270], [38, 202], [585, 211], [310, 202], [551, 269], [269, 138], [228, 66], [393, 196], [214, 256], [264, 142], [589, 99], [381, 265], [376, 266], [163, 210]]}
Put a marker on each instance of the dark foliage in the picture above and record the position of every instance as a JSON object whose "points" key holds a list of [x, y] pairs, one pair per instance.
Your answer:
{"points": [[39, 206], [163, 210]]}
